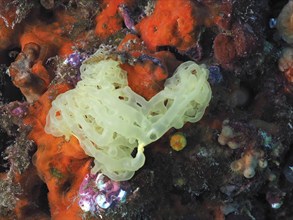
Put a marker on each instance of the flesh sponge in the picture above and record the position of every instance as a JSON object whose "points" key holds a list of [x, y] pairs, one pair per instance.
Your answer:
{"points": [[110, 120]]}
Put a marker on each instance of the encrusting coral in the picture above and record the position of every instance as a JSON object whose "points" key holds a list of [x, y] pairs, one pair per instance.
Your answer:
{"points": [[145, 78], [167, 26], [108, 22], [62, 165]]}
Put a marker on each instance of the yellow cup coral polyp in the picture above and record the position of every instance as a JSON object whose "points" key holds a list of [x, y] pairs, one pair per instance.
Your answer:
{"points": [[110, 120], [178, 141]]}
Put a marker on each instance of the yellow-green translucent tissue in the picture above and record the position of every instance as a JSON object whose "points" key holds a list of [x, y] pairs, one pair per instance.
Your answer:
{"points": [[110, 120]]}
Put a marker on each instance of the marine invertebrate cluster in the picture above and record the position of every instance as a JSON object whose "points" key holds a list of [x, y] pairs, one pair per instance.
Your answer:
{"points": [[248, 163], [228, 136], [97, 193], [103, 89], [238, 136]]}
